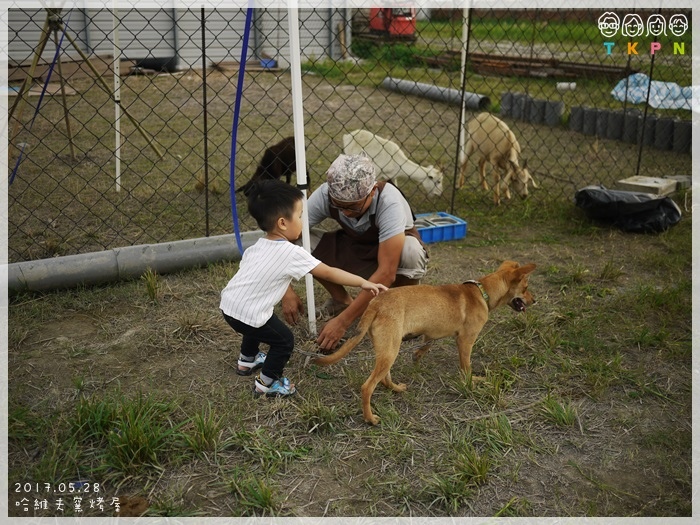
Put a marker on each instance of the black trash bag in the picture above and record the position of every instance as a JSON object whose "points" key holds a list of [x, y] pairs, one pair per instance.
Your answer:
{"points": [[628, 210]]}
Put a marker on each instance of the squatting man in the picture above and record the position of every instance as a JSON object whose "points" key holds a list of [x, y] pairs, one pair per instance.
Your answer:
{"points": [[377, 240]]}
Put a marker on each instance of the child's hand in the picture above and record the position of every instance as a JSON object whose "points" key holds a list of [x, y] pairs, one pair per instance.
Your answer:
{"points": [[374, 288]]}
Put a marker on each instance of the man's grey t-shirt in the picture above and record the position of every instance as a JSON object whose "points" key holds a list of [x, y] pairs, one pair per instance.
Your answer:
{"points": [[392, 212]]}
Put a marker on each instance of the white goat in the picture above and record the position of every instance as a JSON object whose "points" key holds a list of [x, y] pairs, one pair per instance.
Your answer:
{"points": [[497, 145], [391, 161]]}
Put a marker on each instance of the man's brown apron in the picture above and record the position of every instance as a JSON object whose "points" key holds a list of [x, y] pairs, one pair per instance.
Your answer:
{"points": [[354, 252]]}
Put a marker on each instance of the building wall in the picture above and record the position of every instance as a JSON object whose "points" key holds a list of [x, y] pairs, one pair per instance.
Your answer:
{"points": [[166, 33], [142, 34], [25, 30], [224, 31]]}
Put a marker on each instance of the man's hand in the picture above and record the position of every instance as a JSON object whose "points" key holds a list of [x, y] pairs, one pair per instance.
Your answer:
{"points": [[331, 333], [292, 306]]}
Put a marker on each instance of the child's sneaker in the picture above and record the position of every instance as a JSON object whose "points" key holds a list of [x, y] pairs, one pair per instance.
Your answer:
{"points": [[279, 388], [245, 368]]}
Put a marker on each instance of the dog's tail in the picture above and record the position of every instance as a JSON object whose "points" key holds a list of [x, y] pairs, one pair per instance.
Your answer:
{"points": [[351, 343]]}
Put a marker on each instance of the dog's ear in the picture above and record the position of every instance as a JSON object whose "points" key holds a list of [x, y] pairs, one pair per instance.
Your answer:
{"points": [[525, 270], [508, 265]]}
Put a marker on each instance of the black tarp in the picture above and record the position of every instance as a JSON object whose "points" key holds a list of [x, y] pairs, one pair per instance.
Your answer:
{"points": [[628, 210]]}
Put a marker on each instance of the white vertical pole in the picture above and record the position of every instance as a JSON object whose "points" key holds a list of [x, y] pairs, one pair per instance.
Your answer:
{"points": [[298, 117], [117, 98], [465, 36]]}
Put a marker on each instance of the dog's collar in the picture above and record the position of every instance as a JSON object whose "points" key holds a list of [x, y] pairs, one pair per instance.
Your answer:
{"points": [[481, 289]]}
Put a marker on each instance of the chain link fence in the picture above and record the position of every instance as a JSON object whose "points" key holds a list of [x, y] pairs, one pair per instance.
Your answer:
{"points": [[88, 173]]}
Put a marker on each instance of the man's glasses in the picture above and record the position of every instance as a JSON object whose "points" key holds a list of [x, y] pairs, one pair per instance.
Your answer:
{"points": [[353, 208]]}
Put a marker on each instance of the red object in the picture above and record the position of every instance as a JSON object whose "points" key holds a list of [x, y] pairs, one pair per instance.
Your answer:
{"points": [[400, 22]]}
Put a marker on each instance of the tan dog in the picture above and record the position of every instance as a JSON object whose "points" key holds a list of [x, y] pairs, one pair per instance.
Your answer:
{"points": [[459, 310]]}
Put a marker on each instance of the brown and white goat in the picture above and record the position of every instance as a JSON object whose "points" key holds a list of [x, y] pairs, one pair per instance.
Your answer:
{"points": [[496, 144], [391, 161]]}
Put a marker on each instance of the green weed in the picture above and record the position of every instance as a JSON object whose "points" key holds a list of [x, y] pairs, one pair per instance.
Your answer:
{"points": [[270, 452], [171, 509], [668, 302], [471, 465], [204, 430], [463, 384], [318, 416], [59, 460], [78, 384], [254, 496], [24, 425], [577, 274], [550, 337], [648, 338], [514, 508], [150, 280], [94, 419], [611, 272], [141, 436], [450, 491], [560, 413], [493, 387], [495, 434]]}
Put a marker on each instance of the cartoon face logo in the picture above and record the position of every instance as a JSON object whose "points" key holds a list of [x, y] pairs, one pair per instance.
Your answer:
{"points": [[632, 25], [656, 25], [609, 24], [678, 25]]}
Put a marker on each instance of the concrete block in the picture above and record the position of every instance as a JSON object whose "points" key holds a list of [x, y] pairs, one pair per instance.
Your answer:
{"points": [[653, 185], [683, 182]]}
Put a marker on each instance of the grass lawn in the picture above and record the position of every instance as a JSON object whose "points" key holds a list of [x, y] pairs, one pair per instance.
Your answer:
{"points": [[585, 409]]}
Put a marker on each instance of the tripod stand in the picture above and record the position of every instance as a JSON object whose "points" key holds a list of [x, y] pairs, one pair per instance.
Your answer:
{"points": [[54, 23]]}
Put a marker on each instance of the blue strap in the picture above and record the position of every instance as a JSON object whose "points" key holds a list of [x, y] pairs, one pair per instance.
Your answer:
{"points": [[41, 97], [234, 131]]}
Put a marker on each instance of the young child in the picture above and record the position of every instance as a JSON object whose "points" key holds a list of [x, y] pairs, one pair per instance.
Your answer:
{"points": [[263, 277]]}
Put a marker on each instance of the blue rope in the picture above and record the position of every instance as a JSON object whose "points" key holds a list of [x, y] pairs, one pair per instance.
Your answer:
{"points": [[234, 130], [41, 97]]}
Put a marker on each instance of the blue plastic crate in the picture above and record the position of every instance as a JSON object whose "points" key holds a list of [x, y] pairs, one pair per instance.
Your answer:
{"points": [[440, 226]]}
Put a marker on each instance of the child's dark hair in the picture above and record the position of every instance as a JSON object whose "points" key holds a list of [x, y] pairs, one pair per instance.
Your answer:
{"points": [[268, 200]]}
